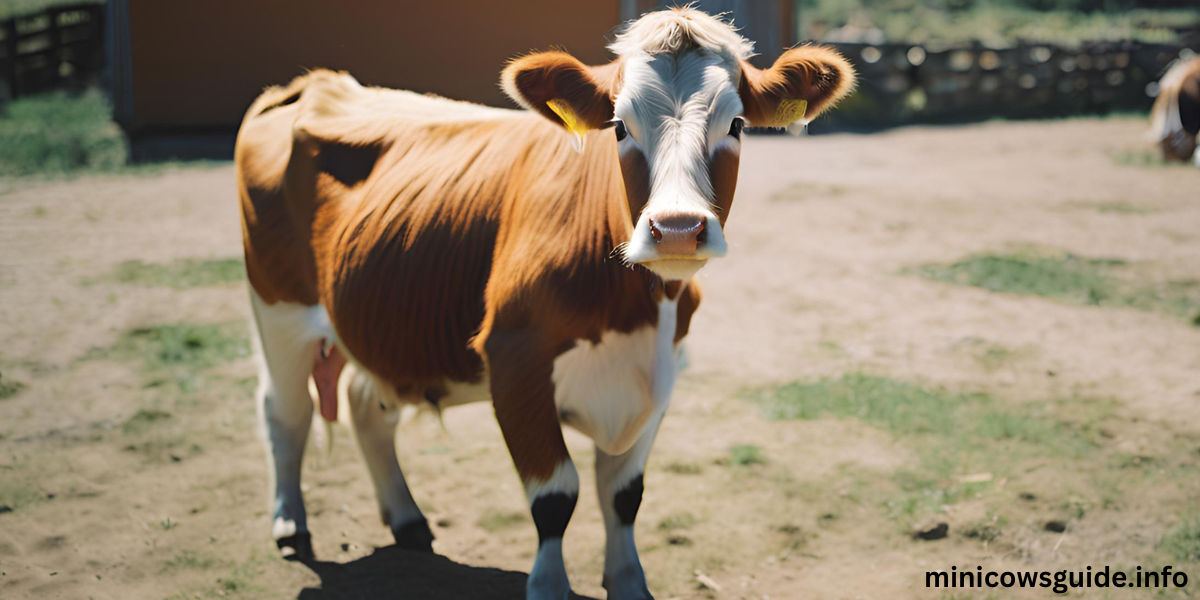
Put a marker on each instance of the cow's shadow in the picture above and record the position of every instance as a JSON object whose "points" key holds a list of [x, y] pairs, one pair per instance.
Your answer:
{"points": [[392, 573]]}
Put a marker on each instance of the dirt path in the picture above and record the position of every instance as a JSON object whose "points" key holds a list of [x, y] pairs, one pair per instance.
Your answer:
{"points": [[131, 477]]}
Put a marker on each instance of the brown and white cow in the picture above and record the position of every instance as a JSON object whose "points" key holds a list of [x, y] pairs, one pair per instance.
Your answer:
{"points": [[538, 258], [1175, 118]]}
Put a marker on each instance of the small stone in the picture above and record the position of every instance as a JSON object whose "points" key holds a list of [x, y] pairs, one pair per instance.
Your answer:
{"points": [[443, 523], [1028, 497], [936, 532], [1056, 526], [4, 508]]}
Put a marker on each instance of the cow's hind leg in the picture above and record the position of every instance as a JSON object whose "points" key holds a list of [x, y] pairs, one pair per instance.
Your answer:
{"points": [[619, 485], [523, 395], [287, 343], [375, 418]]}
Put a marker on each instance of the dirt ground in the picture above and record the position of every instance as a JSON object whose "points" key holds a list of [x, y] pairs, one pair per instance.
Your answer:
{"points": [[123, 486]]}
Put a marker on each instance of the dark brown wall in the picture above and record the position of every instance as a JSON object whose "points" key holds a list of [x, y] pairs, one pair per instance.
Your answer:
{"points": [[199, 63]]}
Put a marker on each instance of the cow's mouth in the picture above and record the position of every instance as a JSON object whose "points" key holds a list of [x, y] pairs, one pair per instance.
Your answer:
{"points": [[675, 269]]}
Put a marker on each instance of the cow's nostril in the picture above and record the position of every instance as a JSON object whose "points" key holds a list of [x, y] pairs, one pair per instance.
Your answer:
{"points": [[701, 235], [655, 232]]}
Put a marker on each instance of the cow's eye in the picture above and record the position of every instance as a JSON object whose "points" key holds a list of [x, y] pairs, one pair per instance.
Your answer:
{"points": [[735, 128], [619, 128]]}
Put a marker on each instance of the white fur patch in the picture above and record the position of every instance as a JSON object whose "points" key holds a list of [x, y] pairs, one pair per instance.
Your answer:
{"points": [[610, 390], [678, 110], [565, 480]]}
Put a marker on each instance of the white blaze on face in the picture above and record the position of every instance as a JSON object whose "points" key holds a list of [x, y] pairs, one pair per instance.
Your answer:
{"points": [[678, 109]]}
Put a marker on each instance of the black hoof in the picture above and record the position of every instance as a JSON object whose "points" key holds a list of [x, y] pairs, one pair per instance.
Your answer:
{"points": [[414, 536], [296, 547]]}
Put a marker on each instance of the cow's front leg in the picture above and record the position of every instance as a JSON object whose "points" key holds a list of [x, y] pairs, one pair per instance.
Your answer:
{"points": [[523, 396], [619, 485]]}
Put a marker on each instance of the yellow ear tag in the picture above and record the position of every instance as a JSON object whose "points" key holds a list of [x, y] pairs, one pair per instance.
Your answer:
{"points": [[577, 129], [790, 111]]}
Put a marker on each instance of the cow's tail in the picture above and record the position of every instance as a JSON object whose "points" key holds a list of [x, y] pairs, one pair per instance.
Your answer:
{"points": [[1165, 120]]}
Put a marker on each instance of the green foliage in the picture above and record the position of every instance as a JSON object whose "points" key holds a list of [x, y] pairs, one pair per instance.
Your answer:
{"points": [[683, 468], [59, 134], [190, 560], [676, 521], [18, 8], [1069, 278], [497, 521], [143, 419], [1144, 158], [1183, 543], [9, 387], [18, 494], [998, 23], [180, 274], [1124, 208], [953, 434], [180, 352], [744, 455]]}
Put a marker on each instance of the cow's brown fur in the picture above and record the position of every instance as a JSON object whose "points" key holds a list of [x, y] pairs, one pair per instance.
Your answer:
{"points": [[816, 74]]}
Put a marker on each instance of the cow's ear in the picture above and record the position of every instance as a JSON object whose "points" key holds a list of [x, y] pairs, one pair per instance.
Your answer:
{"points": [[802, 83], [562, 89]]}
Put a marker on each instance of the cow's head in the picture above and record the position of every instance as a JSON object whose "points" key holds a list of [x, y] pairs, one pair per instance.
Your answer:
{"points": [[677, 98]]}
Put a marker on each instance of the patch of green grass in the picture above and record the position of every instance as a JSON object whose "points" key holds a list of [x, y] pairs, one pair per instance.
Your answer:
{"points": [[240, 580], [1125, 208], [497, 521], [683, 468], [805, 191], [9, 387], [143, 420], [180, 352], [18, 494], [985, 530], [1069, 278], [994, 357], [188, 560], [59, 134], [678, 521], [745, 455], [954, 434], [179, 275], [1142, 158], [1183, 543]]}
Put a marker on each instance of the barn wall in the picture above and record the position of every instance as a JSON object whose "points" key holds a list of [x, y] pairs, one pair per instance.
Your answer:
{"points": [[197, 64]]}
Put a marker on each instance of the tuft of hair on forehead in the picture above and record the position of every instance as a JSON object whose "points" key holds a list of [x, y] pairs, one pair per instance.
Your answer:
{"points": [[681, 29]]}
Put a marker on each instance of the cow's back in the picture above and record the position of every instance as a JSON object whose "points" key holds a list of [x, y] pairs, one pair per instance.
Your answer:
{"points": [[384, 207]]}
